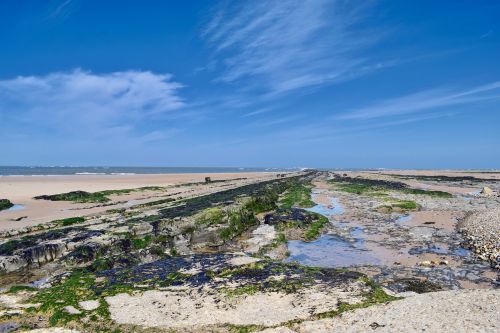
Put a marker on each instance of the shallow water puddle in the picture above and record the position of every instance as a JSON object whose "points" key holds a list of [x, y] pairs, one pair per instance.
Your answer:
{"points": [[332, 251], [327, 210], [404, 218], [360, 248], [15, 208], [461, 252]]}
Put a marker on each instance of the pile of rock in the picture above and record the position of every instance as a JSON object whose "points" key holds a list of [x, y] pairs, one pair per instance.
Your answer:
{"points": [[481, 231]]}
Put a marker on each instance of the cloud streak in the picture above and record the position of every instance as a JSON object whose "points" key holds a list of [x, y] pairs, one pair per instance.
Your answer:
{"points": [[62, 9], [257, 112], [288, 45], [423, 101], [109, 104]]}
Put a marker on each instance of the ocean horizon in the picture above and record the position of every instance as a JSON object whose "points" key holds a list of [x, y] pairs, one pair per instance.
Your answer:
{"points": [[123, 170]]}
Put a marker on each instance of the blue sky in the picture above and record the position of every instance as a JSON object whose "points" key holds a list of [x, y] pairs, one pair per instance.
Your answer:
{"points": [[316, 83]]}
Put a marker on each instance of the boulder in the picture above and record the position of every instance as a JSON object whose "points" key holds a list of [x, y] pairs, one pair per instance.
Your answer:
{"points": [[486, 191]]}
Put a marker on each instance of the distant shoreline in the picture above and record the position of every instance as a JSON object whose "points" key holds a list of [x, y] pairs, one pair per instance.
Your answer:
{"points": [[125, 171]]}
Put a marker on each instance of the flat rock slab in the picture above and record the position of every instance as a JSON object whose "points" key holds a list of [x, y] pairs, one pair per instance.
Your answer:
{"points": [[445, 311], [197, 308]]}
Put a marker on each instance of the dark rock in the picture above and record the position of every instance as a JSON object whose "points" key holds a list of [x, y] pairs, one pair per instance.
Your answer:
{"points": [[292, 214], [419, 286]]}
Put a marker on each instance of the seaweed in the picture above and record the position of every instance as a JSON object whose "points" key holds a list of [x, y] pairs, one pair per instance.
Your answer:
{"points": [[264, 196]]}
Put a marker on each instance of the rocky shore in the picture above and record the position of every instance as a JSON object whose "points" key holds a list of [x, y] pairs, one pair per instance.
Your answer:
{"points": [[307, 252], [481, 231]]}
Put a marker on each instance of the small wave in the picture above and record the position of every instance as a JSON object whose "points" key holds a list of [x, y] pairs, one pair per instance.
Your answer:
{"points": [[90, 173], [123, 173]]}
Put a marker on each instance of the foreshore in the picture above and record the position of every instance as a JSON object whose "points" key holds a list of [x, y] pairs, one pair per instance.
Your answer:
{"points": [[310, 251]]}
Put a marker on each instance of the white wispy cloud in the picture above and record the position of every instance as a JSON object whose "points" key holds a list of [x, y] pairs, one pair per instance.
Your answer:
{"points": [[109, 104], [257, 112], [62, 9], [424, 101], [333, 130], [275, 121], [288, 45]]}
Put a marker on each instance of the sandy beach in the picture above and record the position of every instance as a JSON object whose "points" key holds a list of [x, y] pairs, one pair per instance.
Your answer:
{"points": [[21, 190]]}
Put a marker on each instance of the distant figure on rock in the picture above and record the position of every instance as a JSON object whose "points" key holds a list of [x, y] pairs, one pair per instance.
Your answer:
{"points": [[208, 180]]}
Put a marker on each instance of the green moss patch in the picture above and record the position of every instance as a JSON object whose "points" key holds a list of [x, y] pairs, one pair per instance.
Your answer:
{"points": [[94, 197], [299, 195], [76, 196], [142, 243], [211, 216], [238, 221], [374, 187], [72, 289], [20, 288], [297, 223], [395, 205], [70, 221], [315, 229]]}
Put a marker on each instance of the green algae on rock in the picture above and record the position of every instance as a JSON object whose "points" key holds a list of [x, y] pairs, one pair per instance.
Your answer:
{"points": [[5, 204]]}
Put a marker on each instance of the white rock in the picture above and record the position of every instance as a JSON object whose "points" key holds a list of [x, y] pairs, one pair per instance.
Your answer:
{"points": [[486, 191], [89, 305], [71, 309]]}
